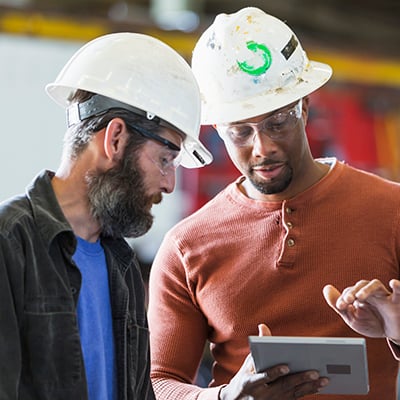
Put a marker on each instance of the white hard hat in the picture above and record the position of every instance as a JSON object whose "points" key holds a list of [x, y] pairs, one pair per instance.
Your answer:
{"points": [[250, 63], [142, 72]]}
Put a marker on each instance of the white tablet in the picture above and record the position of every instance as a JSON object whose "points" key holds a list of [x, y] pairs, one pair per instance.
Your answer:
{"points": [[342, 360]]}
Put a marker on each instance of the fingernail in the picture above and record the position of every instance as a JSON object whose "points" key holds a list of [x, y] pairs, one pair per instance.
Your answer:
{"points": [[314, 375], [324, 382], [284, 370]]}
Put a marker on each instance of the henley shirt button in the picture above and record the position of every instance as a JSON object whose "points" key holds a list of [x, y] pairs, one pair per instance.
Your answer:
{"points": [[289, 210], [73, 290], [290, 242], [289, 225]]}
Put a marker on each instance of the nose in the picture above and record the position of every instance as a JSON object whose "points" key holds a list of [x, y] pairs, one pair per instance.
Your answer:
{"points": [[168, 181], [263, 145]]}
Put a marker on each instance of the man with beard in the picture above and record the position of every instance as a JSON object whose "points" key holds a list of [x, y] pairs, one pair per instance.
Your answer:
{"points": [[264, 248], [72, 309]]}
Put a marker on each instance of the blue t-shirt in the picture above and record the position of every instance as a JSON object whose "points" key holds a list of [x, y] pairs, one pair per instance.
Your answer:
{"points": [[95, 321]]}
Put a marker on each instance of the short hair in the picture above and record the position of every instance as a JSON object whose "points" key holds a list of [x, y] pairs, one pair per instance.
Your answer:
{"points": [[78, 135]]}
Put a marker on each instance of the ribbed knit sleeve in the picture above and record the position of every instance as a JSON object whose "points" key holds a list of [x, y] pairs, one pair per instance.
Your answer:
{"points": [[178, 338], [239, 262]]}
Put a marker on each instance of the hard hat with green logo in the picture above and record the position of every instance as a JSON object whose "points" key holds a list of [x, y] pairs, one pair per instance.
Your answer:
{"points": [[249, 63], [141, 72]]}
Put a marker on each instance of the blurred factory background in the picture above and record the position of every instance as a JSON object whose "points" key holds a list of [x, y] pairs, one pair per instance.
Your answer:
{"points": [[356, 117], [361, 26]]}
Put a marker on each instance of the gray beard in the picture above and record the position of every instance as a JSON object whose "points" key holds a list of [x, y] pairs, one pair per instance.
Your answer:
{"points": [[118, 200]]}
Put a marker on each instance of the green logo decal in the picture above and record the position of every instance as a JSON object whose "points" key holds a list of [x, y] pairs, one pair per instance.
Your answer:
{"points": [[264, 53]]}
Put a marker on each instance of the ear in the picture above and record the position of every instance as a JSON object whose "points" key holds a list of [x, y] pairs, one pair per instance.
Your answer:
{"points": [[305, 105], [115, 138]]}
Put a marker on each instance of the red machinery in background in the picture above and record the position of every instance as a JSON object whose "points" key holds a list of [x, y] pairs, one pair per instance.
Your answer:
{"points": [[358, 124]]}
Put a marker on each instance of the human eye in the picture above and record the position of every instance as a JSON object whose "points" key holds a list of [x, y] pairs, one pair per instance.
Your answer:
{"points": [[170, 158], [239, 132], [277, 122], [166, 159]]}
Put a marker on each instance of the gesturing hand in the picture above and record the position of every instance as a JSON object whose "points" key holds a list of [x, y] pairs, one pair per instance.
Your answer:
{"points": [[368, 307]]}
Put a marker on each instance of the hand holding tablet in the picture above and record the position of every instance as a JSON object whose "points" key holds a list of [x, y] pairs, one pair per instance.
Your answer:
{"points": [[342, 360]]}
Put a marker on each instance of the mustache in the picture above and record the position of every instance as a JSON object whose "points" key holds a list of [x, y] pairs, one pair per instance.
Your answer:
{"points": [[266, 163]]}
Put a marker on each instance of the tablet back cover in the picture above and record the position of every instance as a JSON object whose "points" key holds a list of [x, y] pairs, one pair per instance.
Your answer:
{"points": [[342, 360]]}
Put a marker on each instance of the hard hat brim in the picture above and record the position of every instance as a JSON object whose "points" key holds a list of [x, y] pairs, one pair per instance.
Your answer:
{"points": [[314, 76], [195, 154]]}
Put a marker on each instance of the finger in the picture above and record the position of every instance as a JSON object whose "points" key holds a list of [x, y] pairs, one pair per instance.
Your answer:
{"points": [[350, 294], [331, 295], [260, 378], [310, 387], [334, 299], [374, 288], [395, 286], [300, 378], [358, 292], [263, 330], [265, 377], [275, 372]]}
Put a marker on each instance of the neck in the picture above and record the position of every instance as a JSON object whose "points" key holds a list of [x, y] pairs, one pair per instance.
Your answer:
{"points": [[70, 189]]}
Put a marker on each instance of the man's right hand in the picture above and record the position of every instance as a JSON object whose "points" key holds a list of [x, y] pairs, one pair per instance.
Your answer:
{"points": [[272, 384]]}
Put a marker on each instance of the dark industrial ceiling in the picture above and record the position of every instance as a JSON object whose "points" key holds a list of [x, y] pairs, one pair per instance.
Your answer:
{"points": [[367, 27]]}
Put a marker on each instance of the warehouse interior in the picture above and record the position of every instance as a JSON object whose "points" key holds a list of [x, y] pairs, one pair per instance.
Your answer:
{"points": [[355, 116], [364, 27]]}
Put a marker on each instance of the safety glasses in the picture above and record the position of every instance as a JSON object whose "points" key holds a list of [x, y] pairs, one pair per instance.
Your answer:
{"points": [[275, 126]]}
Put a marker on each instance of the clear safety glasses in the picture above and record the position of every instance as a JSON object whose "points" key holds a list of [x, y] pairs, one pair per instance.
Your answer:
{"points": [[275, 126], [167, 160], [170, 155]]}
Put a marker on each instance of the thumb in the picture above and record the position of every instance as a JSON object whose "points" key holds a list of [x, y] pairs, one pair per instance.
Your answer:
{"points": [[263, 330], [395, 285], [331, 295]]}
